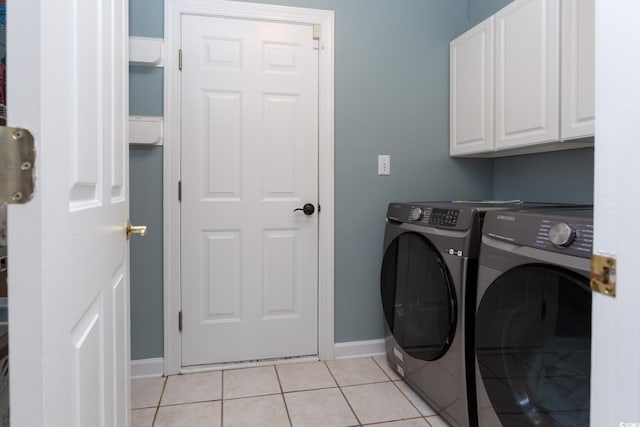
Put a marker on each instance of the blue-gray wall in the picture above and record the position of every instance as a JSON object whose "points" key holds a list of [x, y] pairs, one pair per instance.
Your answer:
{"points": [[392, 97], [145, 191], [561, 176], [392, 79]]}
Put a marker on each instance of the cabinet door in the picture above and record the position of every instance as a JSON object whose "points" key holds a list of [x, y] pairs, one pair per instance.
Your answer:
{"points": [[527, 73], [471, 91], [578, 68]]}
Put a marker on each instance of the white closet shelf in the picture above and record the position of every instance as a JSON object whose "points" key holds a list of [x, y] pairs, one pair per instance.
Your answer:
{"points": [[145, 130], [146, 51]]}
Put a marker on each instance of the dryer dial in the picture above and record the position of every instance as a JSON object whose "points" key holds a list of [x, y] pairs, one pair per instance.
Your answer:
{"points": [[416, 214], [562, 234]]}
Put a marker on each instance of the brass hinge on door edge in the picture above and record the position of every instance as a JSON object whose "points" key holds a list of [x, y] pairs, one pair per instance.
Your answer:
{"points": [[180, 321], [603, 275], [17, 161]]}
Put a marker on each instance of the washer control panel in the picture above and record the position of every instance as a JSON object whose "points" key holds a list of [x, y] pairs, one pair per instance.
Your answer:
{"points": [[568, 231], [572, 234]]}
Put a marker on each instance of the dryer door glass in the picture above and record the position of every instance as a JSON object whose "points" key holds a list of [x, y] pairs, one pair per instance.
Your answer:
{"points": [[418, 297], [533, 347]]}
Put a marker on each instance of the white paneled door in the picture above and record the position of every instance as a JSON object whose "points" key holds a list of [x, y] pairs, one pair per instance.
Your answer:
{"points": [[68, 286], [249, 158]]}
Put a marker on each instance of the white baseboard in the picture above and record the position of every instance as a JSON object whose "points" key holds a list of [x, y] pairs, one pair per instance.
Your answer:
{"points": [[147, 368], [352, 349], [154, 367]]}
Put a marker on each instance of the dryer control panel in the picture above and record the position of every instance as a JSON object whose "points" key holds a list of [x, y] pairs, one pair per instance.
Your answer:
{"points": [[569, 231], [434, 216]]}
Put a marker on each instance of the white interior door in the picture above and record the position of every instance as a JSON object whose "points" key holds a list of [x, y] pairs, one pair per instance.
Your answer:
{"points": [[249, 157], [68, 280], [615, 341]]}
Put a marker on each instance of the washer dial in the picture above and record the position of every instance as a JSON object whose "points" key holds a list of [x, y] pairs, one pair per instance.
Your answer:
{"points": [[562, 234], [416, 214]]}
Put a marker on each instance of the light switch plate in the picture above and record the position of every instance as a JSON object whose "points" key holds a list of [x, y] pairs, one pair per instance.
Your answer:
{"points": [[384, 164]]}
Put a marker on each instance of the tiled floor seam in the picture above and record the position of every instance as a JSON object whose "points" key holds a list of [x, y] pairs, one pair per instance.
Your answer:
{"points": [[191, 402], [343, 395], [248, 397], [410, 401], [155, 415], [382, 369], [286, 407], [222, 398]]}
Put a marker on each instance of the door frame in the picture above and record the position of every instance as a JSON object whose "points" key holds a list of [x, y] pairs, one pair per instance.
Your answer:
{"points": [[171, 162]]}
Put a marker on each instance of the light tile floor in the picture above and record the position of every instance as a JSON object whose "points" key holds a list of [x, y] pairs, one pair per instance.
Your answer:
{"points": [[339, 393]]}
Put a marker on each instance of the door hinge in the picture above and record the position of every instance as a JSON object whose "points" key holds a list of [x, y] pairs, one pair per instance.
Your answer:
{"points": [[179, 191], [180, 59], [603, 274], [17, 161], [316, 36], [180, 321], [319, 208]]}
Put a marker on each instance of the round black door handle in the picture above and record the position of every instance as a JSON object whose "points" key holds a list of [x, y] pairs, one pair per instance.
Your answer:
{"points": [[308, 209]]}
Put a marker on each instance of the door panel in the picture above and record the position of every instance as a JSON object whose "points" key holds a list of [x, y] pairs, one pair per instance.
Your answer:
{"points": [[249, 157], [75, 333]]}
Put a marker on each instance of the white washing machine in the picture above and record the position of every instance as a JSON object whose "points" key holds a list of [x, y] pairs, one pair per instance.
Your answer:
{"points": [[533, 319]]}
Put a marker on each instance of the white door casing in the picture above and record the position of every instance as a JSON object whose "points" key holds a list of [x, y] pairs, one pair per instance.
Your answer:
{"points": [[249, 158], [68, 285], [246, 11]]}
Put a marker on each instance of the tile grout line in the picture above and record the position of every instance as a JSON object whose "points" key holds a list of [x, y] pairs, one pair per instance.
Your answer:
{"points": [[409, 400], [383, 370], [342, 393], [164, 386], [404, 394], [286, 407], [222, 398]]}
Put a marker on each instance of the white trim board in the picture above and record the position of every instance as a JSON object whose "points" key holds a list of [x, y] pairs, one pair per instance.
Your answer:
{"points": [[353, 349], [147, 368], [171, 209]]}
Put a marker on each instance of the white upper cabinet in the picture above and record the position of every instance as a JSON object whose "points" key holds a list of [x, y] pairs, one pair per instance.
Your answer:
{"points": [[578, 69], [523, 80], [527, 78], [471, 90]]}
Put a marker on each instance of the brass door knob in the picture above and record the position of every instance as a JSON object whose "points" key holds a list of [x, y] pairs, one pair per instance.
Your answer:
{"points": [[135, 229]]}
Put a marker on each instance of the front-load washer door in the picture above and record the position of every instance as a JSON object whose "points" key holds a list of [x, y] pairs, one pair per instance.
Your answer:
{"points": [[418, 297], [533, 348]]}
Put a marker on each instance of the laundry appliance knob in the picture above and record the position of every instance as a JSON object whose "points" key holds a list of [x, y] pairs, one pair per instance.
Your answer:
{"points": [[562, 234], [416, 214]]}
